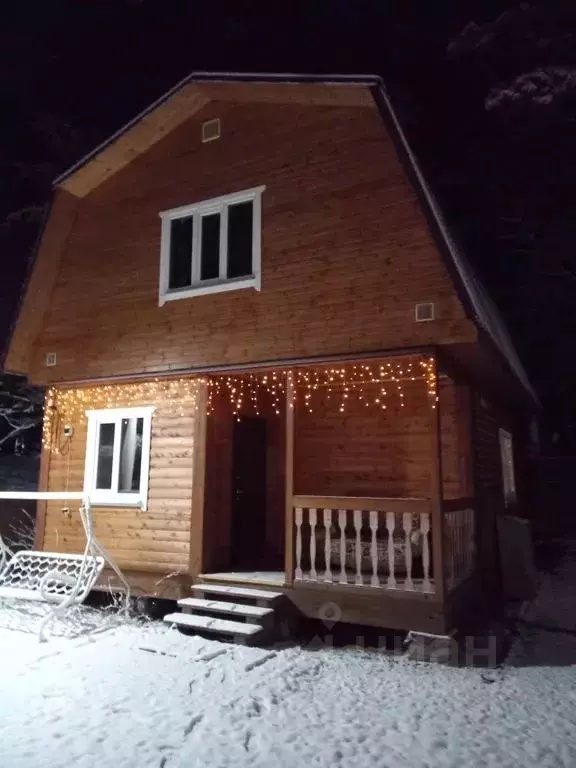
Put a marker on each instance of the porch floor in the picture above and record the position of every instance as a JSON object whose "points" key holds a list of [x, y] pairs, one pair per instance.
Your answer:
{"points": [[275, 578]]}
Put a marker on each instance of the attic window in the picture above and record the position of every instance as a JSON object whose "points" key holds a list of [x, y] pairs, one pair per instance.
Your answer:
{"points": [[210, 130], [211, 246]]}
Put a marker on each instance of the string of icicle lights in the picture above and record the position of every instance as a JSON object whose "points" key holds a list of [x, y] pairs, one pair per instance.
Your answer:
{"points": [[69, 406], [372, 384]]}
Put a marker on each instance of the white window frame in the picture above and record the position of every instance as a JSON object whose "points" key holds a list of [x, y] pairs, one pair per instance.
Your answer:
{"points": [[99, 497], [508, 472], [198, 211]]}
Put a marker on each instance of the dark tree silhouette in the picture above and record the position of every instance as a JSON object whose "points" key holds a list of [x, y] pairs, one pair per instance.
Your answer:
{"points": [[20, 410]]}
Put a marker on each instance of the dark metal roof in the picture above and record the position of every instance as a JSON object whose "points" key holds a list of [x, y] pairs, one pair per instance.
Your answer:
{"points": [[472, 293]]}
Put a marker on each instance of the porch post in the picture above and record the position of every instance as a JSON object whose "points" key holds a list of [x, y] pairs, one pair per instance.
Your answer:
{"points": [[436, 493], [196, 556], [289, 472]]}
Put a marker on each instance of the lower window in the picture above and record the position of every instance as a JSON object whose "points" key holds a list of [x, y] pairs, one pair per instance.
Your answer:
{"points": [[118, 456]]}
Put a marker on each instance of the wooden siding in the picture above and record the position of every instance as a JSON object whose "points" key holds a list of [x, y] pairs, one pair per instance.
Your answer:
{"points": [[217, 509], [157, 540], [367, 451], [362, 452], [456, 439], [39, 289], [488, 488], [376, 608], [187, 101], [346, 251]]}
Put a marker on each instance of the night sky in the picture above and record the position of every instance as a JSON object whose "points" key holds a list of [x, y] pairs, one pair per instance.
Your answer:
{"points": [[73, 72]]}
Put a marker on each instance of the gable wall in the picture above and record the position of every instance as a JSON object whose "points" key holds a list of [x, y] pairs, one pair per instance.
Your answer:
{"points": [[346, 252]]}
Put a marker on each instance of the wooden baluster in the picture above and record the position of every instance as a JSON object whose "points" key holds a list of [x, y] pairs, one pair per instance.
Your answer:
{"points": [[312, 518], [298, 520], [425, 530], [358, 529], [374, 581], [391, 526], [342, 525], [327, 544], [407, 524]]}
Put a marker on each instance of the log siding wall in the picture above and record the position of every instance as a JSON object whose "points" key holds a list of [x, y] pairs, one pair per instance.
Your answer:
{"points": [[488, 418], [346, 252], [362, 452], [367, 451], [155, 540]]}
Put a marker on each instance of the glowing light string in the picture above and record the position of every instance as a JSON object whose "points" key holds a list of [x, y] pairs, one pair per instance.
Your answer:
{"points": [[375, 384]]}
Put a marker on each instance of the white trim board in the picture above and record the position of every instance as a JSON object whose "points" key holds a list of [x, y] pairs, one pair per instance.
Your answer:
{"points": [[198, 211]]}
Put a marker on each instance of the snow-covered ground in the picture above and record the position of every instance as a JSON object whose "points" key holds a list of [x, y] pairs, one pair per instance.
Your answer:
{"points": [[108, 693]]}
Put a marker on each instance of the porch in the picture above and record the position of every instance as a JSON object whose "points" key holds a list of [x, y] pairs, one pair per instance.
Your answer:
{"points": [[349, 484]]}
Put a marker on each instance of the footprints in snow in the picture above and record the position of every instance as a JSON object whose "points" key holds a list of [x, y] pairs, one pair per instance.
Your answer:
{"points": [[196, 720], [214, 655], [258, 662], [255, 708]]}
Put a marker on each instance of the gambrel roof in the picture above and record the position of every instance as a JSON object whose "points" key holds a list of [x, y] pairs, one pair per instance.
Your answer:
{"points": [[191, 94]]}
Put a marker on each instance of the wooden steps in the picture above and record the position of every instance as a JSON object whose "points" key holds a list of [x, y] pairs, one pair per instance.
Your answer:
{"points": [[242, 613], [219, 606], [235, 591], [216, 626]]}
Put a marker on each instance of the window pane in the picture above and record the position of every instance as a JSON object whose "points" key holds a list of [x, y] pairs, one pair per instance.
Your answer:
{"points": [[240, 239], [105, 456], [130, 455], [210, 260], [180, 253]]}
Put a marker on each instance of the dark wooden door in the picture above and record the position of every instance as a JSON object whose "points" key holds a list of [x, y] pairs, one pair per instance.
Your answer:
{"points": [[249, 494]]}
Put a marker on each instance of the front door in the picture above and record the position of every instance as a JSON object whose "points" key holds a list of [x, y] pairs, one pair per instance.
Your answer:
{"points": [[248, 545]]}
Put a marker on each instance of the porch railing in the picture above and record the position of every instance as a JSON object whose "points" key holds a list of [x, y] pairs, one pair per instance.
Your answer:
{"points": [[459, 540], [366, 542]]}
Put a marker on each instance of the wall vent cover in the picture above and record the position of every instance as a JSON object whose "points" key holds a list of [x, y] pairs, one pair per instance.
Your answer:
{"points": [[51, 359], [424, 312], [211, 130]]}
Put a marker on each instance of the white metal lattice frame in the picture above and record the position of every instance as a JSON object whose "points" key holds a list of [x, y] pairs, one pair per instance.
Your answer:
{"points": [[49, 576], [57, 577]]}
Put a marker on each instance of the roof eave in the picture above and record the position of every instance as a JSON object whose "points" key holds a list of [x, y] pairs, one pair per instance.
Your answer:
{"points": [[462, 274]]}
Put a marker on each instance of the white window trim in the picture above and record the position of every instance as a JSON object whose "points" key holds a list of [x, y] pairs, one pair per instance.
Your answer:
{"points": [[508, 480], [220, 284], [111, 498]]}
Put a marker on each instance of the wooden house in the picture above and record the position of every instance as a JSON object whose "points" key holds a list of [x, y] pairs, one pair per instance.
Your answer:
{"points": [[266, 360]]}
